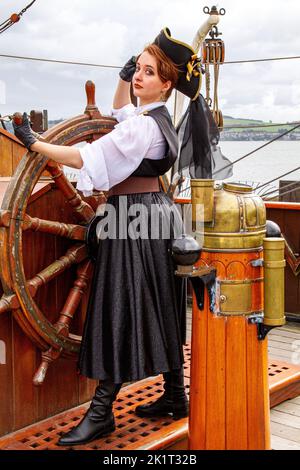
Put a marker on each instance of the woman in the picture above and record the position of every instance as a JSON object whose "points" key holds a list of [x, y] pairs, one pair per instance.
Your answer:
{"points": [[136, 311]]}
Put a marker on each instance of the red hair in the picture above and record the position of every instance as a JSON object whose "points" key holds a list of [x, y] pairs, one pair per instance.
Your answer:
{"points": [[166, 68]]}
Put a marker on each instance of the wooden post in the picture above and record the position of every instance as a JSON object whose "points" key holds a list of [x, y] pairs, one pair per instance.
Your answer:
{"points": [[229, 393]]}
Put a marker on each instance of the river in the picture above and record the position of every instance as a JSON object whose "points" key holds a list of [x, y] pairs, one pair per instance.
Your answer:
{"points": [[270, 162]]}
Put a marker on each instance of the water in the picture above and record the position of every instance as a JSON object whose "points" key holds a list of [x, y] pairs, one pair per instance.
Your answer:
{"points": [[268, 163]]}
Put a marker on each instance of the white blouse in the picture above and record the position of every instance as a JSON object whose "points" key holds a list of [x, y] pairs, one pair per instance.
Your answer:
{"points": [[115, 156]]}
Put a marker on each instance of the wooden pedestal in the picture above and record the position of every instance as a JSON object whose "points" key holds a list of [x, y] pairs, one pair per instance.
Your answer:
{"points": [[229, 396]]}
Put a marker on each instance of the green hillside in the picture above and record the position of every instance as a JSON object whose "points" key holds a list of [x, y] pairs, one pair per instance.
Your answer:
{"points": [[230, 121]]}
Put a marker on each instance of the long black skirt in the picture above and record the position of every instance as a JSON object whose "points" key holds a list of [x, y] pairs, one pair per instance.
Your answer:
{"points": [[135, 324]]}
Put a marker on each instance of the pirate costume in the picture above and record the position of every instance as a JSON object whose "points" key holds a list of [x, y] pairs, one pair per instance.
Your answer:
{"points": [[135, 324]]}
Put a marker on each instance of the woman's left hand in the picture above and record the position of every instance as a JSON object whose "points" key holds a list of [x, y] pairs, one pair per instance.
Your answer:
{"points": [[128, 70]]}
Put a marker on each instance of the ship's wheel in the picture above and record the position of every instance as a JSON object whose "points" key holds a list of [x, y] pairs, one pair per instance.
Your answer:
{"points": [[50, 331]]}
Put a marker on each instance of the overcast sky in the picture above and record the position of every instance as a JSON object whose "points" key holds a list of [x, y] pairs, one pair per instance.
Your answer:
{"points": [[110, 31]]}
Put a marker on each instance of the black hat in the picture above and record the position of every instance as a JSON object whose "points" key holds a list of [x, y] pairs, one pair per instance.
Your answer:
{"points": [[185, 58]]}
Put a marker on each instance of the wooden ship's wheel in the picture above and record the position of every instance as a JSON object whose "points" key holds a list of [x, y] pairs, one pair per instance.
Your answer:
{"points": [[52, 332]]}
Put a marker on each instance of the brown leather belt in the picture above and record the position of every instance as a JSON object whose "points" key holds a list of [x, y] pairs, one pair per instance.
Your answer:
{"points": [[136, 184]]}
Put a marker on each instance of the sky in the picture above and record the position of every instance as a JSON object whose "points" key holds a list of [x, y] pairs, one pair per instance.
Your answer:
{"points": [[110, 31]]}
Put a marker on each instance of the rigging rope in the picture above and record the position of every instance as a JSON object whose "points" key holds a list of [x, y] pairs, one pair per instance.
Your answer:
{"points": [[60, 61], [261, 60], [275, 179], [215, 108], [119, 67], [261, 125], [14, 18]]}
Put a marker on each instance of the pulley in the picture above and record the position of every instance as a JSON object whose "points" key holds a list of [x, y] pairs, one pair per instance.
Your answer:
{"points": [[213, 49]]}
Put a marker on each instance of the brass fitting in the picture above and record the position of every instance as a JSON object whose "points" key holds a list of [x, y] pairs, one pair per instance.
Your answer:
{"points": [[274, 264], [202, 195], [234, 217]]}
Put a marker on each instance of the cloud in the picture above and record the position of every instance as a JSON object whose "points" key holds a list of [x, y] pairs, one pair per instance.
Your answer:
{"points": [[106, 32]]}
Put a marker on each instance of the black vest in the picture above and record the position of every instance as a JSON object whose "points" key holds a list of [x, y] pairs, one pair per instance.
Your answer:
{"points": [[149, 167]]}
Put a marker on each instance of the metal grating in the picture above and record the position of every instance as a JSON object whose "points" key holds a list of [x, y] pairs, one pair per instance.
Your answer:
{"points": [[131, 431]]}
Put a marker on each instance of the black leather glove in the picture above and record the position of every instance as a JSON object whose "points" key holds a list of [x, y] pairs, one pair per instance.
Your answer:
{"points": [[24, 133], [128, 70]]}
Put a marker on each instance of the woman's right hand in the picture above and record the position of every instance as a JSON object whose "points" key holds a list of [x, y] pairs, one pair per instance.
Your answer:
{"points": [[128, 70], [23, 130]]}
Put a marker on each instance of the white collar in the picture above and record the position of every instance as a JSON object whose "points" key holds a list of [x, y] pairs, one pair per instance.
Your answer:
{"points": [[149, 107]]}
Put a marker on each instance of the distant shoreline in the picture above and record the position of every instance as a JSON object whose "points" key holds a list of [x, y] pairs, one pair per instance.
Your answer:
{"points": [[253, 130], [238, 134], [257, 136]]}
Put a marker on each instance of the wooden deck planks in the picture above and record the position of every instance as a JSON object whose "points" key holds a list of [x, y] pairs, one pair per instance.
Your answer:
{"points": [[279, 443], [289, 407], [281, 417], [285, 425]]}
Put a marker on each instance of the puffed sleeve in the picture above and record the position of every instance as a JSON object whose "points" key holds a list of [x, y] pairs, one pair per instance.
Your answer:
{"points": [[123, 113], [112, 158], [93, 173]]}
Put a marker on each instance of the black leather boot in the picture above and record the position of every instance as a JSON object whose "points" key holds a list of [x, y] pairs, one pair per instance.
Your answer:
{"points": [[98, 420], [173, 402]]}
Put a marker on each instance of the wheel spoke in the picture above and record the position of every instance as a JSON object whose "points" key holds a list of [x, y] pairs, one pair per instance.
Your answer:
{"points": [[74, 255], [9, 302], [66, 315], [74, 298], [74, 232], [47, 357], [82, 208]]}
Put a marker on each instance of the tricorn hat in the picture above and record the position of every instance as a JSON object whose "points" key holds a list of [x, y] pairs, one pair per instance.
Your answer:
{"points": [[185, 58]]}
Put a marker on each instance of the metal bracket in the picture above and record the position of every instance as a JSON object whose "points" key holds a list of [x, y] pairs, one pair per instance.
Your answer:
{"points": [[262, 330], [199, 283]]}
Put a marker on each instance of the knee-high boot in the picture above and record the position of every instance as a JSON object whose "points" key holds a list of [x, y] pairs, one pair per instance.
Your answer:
{"points": [[173, 401], [98, 420]]}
